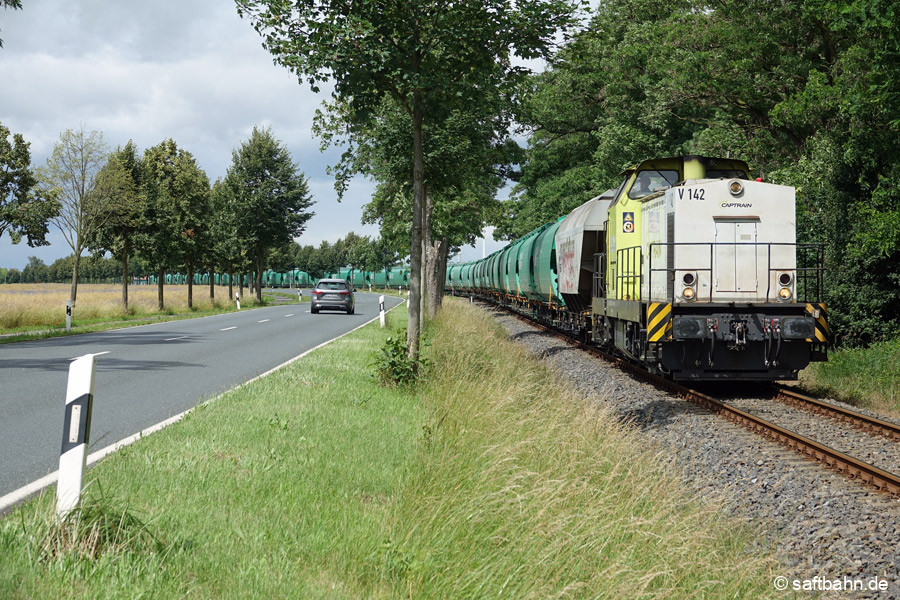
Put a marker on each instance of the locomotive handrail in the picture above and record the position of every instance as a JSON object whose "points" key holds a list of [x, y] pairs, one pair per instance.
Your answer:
{"points": [[628, 276], [806, 275]]}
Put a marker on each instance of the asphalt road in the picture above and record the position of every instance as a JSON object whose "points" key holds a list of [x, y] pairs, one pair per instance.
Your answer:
{"points": [[147, 374]]}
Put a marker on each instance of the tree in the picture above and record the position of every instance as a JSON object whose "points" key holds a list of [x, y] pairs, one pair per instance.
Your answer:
{"points": [[35, 271], [25, 209], [121, 209], [271, 196], [323, 260], [424, 55], [230, 253], [71, 175], [177, 193], [463, 168]]}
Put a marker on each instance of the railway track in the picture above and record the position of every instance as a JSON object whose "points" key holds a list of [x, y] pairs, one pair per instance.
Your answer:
{"points": [[857, 470], [844, 415]]}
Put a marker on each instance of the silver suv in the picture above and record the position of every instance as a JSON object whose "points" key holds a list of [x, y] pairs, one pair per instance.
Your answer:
{"points": [[332, 294]]}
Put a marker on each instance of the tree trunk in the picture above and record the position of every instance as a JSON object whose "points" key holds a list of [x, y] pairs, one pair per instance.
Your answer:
{"points": [[423, 294], [443, 257], [230, 286], [76, 265], [415, 257], [212, 284], [240, 284], [426, 244], [190, 282], [159, 288], [436, 266], [125, 279], [259, 266]]}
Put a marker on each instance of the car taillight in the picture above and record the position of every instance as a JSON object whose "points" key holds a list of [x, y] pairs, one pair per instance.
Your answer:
{"points": [[318, 293], [344, 293]]}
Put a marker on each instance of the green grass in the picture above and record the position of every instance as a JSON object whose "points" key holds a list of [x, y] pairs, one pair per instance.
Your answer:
{"points": [[487, 480], [868, 377]]}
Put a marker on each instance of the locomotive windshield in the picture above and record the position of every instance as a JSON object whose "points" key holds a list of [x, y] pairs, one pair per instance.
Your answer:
{"points": [[650, 181]]}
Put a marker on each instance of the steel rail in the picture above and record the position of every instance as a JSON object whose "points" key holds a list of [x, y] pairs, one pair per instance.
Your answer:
{"points": [[844, 464], [845, 415]]}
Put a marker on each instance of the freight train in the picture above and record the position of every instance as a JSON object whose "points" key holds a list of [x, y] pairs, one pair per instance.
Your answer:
{"points": [[395, 277], [690, 267]]}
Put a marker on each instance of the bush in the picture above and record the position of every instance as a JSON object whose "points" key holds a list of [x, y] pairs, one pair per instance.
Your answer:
{"points": [[393, 366]]}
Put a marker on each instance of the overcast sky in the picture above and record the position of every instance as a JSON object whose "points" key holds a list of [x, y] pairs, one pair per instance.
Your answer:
{"points": [[148, 71]]}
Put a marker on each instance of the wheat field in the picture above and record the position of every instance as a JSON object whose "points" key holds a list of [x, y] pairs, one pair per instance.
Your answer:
{"points": [[28, 305]]}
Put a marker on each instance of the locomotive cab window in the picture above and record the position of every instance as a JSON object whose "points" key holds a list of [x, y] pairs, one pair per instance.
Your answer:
{"points": [[650, 181]]}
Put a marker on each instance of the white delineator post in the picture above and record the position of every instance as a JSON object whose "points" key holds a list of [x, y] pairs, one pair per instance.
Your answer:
{"points": [[381, 310], [76, 433], [237, 298], [68, 315]]}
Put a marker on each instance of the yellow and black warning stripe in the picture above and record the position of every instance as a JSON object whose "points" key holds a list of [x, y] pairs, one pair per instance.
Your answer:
{"points": [[659, 321], [819, 312]]}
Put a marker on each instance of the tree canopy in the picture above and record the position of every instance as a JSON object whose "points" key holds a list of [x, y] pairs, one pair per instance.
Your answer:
{"points": [[122, 207], [70, 174], [427, 56], [177, 194], [270, 196], [25, 209]]}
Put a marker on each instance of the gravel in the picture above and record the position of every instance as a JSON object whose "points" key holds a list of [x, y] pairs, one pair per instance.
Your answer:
{"points": [[817, 522]]}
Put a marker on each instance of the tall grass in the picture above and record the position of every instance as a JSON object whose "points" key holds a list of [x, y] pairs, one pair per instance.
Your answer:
{"points": [[489, 481], [868, 377], [525, 490], [24, 306]]}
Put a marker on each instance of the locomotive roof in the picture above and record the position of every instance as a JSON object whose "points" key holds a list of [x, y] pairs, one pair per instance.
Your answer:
{"points": [[670, 161]]}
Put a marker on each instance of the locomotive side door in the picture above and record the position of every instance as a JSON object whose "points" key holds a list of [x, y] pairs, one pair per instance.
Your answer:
{"points": [[735, 255]]}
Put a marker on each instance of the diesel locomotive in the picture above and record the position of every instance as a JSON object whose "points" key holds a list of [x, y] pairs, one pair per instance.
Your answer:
{"points": [[690, 267]]}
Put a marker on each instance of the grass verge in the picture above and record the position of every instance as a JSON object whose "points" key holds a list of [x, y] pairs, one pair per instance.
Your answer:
{"points": [[867, 377], [487, 480], [525, 490]]}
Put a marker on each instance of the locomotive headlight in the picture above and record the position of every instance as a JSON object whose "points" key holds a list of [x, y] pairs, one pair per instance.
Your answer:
{"points": [[735, 187], [688, 293], [784, 293], [785, 279]]}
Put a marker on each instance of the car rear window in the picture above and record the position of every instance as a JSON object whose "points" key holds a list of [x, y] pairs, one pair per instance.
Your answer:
{"points": [[332, 285]]}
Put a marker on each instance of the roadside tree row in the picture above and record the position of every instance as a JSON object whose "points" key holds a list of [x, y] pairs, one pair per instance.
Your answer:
{"points": [[157, 206]]}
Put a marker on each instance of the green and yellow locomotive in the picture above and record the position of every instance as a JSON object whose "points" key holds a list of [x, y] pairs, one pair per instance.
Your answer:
{"points": [[689, 267]]}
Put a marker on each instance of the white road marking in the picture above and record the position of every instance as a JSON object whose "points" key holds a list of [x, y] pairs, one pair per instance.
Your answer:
{"points": [[181, 337], [229, 328], [290, 315], [263, 321]]}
